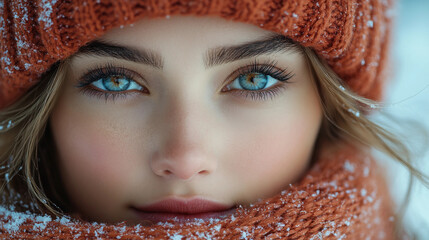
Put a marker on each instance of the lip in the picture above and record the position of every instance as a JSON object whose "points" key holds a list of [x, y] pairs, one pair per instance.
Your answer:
{"points": [[183, 210]]}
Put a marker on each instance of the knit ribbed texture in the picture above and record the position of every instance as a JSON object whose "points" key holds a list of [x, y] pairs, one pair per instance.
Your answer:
{"points": [[351, 35], [342, 196]]}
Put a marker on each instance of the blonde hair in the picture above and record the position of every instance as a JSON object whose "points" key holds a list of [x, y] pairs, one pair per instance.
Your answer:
{"points": [[24, 156], [343, 121], [20, 142]]}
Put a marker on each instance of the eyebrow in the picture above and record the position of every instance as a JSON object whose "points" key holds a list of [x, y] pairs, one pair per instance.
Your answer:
{"points": [[215, 56]]}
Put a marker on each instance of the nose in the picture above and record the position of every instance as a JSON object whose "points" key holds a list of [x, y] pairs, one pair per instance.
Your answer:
{"points": [[181, 164], [183, 152]]}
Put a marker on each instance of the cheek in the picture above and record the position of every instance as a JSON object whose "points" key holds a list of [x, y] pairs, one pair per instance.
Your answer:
{"points": [[274, 158], [274, 149], [85, 151], [90, 160]]}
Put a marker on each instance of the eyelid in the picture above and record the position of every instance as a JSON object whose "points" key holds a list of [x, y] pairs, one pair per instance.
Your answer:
{"points": [[246, 68], [104, 68]]}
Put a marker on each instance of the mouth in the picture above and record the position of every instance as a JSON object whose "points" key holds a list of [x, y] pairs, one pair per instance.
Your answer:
{"points": [[183, 210]]}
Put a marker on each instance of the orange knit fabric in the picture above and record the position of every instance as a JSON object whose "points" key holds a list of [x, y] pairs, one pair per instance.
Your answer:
{"points": [[342, 196], [351, 35]]}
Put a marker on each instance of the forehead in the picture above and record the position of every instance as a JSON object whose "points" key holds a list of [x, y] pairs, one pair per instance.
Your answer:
{"points": [[185, 32], [215, 41]]}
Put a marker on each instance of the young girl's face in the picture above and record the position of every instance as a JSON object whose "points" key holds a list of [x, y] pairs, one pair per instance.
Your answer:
{"points": [[179, 125]]}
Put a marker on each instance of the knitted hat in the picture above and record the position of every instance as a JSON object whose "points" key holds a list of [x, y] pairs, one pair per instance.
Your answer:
{"points": [[351, 35]]}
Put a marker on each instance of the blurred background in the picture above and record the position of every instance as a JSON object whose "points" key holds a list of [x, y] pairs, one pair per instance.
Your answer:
{"points": [[408, 97]]}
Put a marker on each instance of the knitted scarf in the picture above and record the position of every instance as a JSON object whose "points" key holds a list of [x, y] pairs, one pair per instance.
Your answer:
{"points": [[342, 196]]}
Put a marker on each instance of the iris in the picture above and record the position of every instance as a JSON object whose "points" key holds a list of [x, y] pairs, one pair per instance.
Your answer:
{"points": [[253, 81], [116, 83]]}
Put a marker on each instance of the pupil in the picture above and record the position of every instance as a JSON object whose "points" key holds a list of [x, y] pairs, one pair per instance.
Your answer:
{"points": [[115, 81], [251, 78]]}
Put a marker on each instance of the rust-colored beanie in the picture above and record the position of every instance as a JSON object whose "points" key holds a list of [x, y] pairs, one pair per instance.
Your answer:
{"points": [[351, 35], [342, 196]]}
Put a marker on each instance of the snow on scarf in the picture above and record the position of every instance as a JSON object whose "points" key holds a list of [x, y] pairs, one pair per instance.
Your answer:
{"points": [[342, 196]]}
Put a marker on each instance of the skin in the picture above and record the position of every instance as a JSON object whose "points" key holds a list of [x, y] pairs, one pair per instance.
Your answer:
{"points": [[186, 138]]}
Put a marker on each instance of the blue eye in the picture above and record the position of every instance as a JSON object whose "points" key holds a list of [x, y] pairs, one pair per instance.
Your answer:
{"points": [[253, 82], [111, 82], [116, 84], [259, 81]]}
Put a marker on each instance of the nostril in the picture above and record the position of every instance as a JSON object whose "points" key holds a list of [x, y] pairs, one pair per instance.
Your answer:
{"points": [[203, 172], [167, 172]]}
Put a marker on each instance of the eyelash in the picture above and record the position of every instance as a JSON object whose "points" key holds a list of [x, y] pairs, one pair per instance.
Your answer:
{"points": [[268, 68]]}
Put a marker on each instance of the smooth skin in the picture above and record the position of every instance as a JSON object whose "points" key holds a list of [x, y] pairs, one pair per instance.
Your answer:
{"points": [[184, 137]]}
